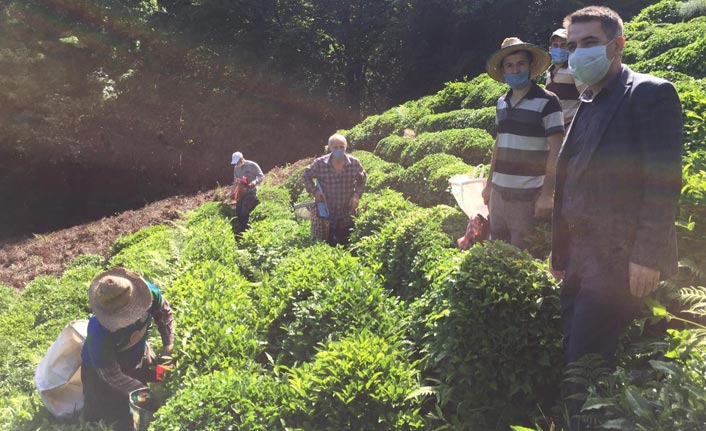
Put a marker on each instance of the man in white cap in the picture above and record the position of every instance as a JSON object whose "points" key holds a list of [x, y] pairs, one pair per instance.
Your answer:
{"points": [[246, 174], [530, 130], [115, 356], [560, 80]]}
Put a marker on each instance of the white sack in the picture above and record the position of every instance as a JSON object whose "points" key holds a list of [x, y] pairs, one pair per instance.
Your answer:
{"points": [[467, 191]]}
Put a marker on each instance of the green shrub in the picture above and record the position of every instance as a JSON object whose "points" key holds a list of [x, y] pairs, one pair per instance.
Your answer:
{"points": [[358, 383], [271, 210], [131, 239], [375, 210], [245, 398], [269, 240], [666, 11], [209, 238], [294, 183], [495, 342], [406, 247], [426, 182], [662, 39], [485, 92], [684, 59], [151, 254], [8, 296], [376, 169], [367, 134], [483, 118], [390, 148], [208, 211], [473, 146], [692, 93], [217, 322], [451, 97], [320, 294], [692, 8]]}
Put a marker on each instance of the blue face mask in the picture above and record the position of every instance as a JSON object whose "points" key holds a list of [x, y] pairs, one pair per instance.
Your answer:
{"points": [[517, 80], [559, 55], [338, 154], [590, 65]]}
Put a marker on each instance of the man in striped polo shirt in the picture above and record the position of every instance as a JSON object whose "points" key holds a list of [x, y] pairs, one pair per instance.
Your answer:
{"points": [[530, 130], [560, 80]]}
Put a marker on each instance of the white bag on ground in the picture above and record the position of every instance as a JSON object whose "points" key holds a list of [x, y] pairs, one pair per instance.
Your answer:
{"points": [[467, 191], [58, 375]]}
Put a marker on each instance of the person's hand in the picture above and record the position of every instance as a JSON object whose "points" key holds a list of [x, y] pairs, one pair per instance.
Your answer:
{"points": [[543, 206], [354, 203], [486, 194], [558, 275], [643, 280]]}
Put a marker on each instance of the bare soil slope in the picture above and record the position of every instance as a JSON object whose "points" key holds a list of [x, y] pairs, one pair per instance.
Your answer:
{"points": [[21, 260]]}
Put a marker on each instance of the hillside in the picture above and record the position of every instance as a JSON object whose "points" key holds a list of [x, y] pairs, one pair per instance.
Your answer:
{"points": [[401, 330]]}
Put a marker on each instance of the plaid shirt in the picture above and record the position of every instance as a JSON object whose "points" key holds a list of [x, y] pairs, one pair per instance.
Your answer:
{"points": [[338, 188]]}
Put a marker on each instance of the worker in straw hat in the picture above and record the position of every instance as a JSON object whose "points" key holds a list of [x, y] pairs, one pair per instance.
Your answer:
{"points": [[115, 355], [530, 130]]}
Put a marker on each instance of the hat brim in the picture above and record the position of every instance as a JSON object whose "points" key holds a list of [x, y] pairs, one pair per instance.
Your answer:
{"points": [[136, 308], [540, 60]]}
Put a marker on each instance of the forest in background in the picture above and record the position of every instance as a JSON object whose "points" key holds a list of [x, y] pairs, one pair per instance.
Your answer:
{"points": [[109, 104]]}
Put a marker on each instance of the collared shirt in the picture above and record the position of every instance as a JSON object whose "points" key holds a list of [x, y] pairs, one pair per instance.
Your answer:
{"points": [[109, 352], [522, 142], [338, 187], [575, 208], [251, 171], [562, 82]]}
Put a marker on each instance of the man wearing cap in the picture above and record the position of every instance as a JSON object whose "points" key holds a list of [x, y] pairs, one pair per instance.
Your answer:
{"points": [[618, 183], [246, 173], [116, 356], [340, 184], [560, 80], [530, 129]]}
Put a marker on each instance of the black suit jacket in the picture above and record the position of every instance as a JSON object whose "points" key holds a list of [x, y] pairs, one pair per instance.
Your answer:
{"points": [[634, 170]]}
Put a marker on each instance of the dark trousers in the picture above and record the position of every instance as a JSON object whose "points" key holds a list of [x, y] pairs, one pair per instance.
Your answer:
{"points": [[102, 402], [243, 209], [596, 304], [339, 232]]}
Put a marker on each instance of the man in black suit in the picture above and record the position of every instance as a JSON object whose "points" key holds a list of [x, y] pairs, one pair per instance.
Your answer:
{"points": [[618, 182]]}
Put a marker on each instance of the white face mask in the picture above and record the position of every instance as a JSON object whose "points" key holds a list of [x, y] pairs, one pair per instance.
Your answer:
{"points": [[590, 65]]}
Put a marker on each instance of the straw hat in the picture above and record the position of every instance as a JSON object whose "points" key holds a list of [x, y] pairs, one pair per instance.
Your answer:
{"points": [[119, 298], [540, 58]]}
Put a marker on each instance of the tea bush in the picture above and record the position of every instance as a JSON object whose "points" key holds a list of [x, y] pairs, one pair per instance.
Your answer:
{"points": [[358, 383], [473, 146], [207, 239], [294, 183], [406, 247], [153, 254], [666, 11], [129, 240], [217, 321], [208, 211], [483, 118], [662, 39], [319, 294], [8, 296], [268, 241], [684, 59], [484, 92], [246, 398], [451, 97], [275, 202], [376, 169], [495, 343], [367, 134], [377, 209], [426, 182], [390, 148]]}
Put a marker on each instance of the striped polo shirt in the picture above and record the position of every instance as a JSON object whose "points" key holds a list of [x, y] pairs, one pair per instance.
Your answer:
{"points": [[562, 82], [522, 146]]}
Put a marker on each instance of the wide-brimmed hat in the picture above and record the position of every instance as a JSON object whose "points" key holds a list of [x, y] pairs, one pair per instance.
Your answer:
{"points": [[511, 45], [236, 157], [119, 298], [560, 32]]}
